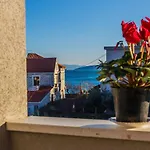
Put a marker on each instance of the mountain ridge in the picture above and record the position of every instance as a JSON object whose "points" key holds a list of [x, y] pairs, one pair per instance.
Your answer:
{"points": [[91, 67], [79, 67], [72, 66]]}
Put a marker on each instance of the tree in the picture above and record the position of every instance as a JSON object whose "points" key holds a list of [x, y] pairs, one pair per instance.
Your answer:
{"points": [[95, 101], [72, 89]]}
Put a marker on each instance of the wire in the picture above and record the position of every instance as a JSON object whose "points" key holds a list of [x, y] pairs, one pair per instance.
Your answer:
{"points": [[96, 59]]}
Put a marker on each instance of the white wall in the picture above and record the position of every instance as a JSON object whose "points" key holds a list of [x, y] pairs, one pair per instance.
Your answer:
{"points": [[44, 102], [62, 78], [59, 72], [112, 54], [46, 78], [56, 72]]}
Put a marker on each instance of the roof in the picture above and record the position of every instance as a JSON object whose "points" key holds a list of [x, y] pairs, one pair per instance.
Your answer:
{"points": [[61, 66], [37, 96], [41, 64], [33, 55], [118, 48]]}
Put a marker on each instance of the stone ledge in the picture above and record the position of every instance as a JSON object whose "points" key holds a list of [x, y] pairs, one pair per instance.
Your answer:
{"points": [[79, 127]]}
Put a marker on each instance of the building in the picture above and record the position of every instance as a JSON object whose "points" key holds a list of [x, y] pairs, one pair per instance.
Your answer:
{"points": [[112, 54], [45, 81], [38, 99]]}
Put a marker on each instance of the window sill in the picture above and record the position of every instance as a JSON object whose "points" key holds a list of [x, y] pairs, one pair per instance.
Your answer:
{"points": [[79, 127]]}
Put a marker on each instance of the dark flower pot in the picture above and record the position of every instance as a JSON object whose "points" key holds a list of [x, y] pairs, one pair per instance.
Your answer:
{"points": [[131, 104]]}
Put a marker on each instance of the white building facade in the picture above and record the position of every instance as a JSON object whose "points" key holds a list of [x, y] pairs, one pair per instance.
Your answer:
{"points": [[44, 74], [112, 54]]}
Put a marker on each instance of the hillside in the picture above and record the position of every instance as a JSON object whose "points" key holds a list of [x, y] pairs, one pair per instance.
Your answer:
{"points": [[86, 68], [72, 67]]}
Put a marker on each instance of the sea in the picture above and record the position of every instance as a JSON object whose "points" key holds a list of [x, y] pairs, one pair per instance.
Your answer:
{"points": [[83, 76]]}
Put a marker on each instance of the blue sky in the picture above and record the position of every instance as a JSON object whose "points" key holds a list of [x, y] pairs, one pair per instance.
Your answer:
{"points": [[75, 31]]}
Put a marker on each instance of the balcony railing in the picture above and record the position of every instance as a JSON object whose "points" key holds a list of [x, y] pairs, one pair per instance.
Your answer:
{"points": [[46, 133]]}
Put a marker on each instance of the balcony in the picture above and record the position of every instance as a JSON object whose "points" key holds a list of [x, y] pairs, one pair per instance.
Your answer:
{"points": [[19, 132], [41, 133]]}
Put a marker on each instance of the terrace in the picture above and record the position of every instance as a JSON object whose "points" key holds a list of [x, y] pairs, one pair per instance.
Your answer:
{"points": [[19, 132]]}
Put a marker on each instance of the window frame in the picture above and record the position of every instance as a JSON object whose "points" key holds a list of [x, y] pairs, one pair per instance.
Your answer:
{"points": [[33, 76]]}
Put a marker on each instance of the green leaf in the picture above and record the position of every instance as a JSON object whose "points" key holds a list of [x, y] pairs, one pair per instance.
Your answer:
{"points": [[119, 73], [146, 76], [102, 78], [147, 71], [132, 71], [108, 81], [126, 56], [139, 55], [147, 65]]}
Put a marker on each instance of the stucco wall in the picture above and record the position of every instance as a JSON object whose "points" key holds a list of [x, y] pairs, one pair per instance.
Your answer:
{"points": [[24, 141], [13, 95], [46, 79]]}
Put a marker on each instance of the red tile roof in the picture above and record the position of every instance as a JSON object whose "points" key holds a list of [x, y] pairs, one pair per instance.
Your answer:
{"points": [[61, 66], [45, 87], [41, 64], [33, 55], [37, 96]]}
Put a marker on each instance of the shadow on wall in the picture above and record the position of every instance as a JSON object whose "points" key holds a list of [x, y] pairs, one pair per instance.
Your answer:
{"points": [[4, 138]]}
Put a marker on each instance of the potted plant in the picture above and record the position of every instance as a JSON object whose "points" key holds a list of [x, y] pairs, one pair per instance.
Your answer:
{"points": [[129, 76]]}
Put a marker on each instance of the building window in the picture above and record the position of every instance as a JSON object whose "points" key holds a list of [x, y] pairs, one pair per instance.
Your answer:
{"points": [[36, 81]]}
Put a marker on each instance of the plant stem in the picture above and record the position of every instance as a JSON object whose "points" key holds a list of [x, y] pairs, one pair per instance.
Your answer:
{"points": [[133, 48], [142, 53], [131, 52], [148, 50]]}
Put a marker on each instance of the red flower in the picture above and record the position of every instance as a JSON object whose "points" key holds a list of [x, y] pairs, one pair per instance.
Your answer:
{"points": [[130, 32], [128, 27], [144, 33], [146, 23]]}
